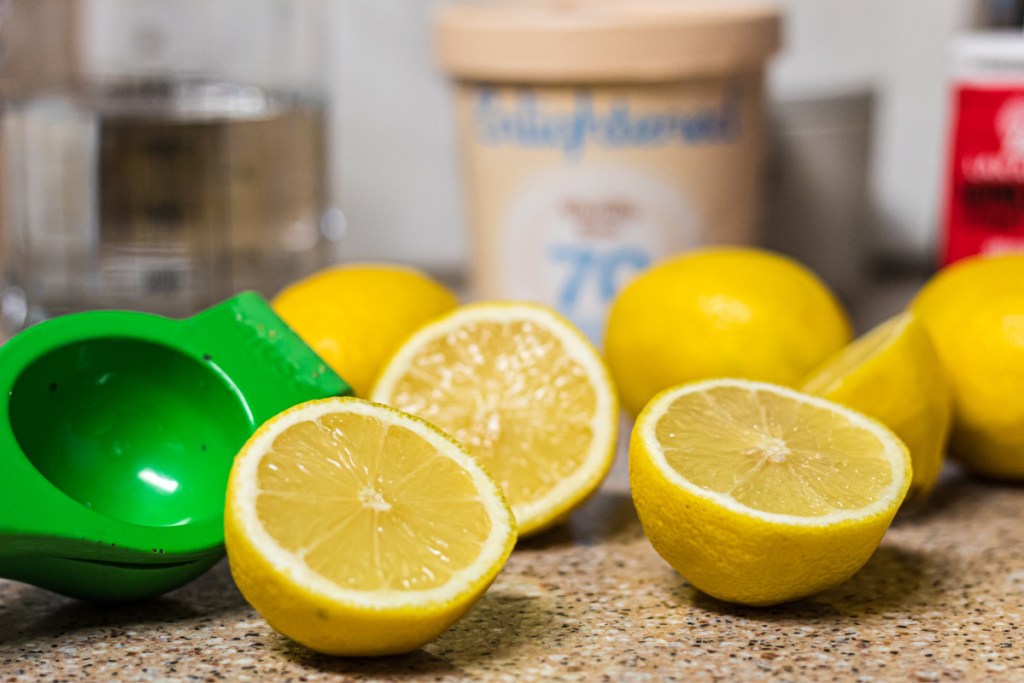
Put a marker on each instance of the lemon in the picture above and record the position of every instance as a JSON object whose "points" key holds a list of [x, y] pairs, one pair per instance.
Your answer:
{"points": [[524, 390], [725, 312], [355, 316], [758, 494], [893, 374], [974, 312], [355, 529]]}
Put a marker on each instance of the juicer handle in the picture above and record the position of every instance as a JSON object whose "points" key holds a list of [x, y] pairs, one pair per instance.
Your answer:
{"points": [[265, 359]]}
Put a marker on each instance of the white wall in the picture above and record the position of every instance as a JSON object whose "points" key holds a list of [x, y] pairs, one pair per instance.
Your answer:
{"points": [[395, 164]]}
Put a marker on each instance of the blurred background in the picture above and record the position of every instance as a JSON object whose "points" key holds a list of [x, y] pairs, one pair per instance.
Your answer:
{"points": [[868, 78], [349, 143]]}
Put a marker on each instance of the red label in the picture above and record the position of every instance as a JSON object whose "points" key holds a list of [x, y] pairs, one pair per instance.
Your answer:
{"points": [[985, 195]]}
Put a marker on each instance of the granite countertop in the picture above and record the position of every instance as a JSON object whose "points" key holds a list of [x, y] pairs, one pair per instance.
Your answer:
{"points": [[941, 600]]}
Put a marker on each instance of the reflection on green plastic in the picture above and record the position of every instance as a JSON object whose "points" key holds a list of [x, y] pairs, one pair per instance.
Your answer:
{"points": [[120, 435], [128, 429]]}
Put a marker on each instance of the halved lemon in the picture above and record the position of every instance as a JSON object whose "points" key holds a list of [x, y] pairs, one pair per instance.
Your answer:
{"points": [[758, 494], [893, 374], [524, 390], [355, 529]]}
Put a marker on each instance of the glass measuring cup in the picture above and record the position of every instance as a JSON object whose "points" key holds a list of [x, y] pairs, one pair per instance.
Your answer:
{"points": [[117, 433], [160, 156]]}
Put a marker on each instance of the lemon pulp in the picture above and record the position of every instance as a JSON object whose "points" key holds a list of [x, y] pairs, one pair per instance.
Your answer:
{"points": [[503, 408], [772, 454], [356, 529], [414, 518], [523, 391]]}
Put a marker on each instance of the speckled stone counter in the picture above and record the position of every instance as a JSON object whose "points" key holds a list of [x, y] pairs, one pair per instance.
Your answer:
{"points": [[941, 600]]}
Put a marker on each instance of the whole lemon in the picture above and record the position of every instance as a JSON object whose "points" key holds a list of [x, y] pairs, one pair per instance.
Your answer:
{"points": [[974, 312], [720, 312], [355, 316]]}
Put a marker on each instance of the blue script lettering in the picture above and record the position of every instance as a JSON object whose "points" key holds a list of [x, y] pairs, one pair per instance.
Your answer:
{"points": [[527, 123]]}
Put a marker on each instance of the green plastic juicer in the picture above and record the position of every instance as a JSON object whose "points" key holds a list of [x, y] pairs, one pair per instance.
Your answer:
{"points": [[119, 435]]}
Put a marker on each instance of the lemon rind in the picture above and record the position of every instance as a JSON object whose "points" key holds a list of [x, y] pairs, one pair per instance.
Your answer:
{"points": [[604, 423], [493, 551], [896, 328], [894, 450]]}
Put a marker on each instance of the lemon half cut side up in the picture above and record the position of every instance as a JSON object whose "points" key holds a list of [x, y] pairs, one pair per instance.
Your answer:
{"points": [[524, 390], [355, 529], [758, 494]]}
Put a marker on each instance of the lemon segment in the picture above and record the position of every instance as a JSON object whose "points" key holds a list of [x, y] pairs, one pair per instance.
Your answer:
{"points": [[720, 312], [355, 316], [357, 530], [524, 390], [758, 494], [894, 375], [974, 314]]}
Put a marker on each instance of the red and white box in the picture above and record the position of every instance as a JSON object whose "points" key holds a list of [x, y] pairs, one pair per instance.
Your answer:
{"points": [[985, 179]]}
